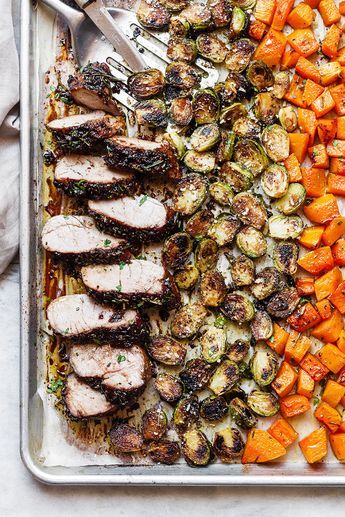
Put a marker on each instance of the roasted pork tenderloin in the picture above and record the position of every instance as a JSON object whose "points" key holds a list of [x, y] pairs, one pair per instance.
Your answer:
{"points": [[84, 401]]}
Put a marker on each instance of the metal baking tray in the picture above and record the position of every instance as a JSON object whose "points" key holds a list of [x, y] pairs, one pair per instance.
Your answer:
{"points": [[287, 473]]}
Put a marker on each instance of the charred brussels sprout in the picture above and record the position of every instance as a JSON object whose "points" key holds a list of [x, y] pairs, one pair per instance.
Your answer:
{"points": [[234, 87], [237, 307], [196, 375], [261, 326], [206, 255], [282, 304], [176, 250], [151, 113], [212, 289], [281, 84], [226, 146], [245, 127], [211, 47], [285, 256], [206, 106], [292, 200], [213, 408], [164, 451], [213, 344], [251, 242], [224, 377], [187, 277], [198, 225], [238, 350], [238, 23], [244, 4], [260, 75], [200, 162], [179, 26], [196, 448], [288, 118], [239, 55], [249, 209], [188, 320], [237, 177], [154, 424], [266, 107], [221, 193], [181, 75], [263, 403], [250, 155], [228, 445], [205, 137], [167, 350], [275, 181], [220, 10], [267, 282], [241, 414], [169, 387], [153, 15], [285, 227], [186, 413], [198, 15], [224, 229], [242, 271], [181, 111], [276, 142], [189, 194], [176, 142], [230, 114], [182, 49], [175, 5], [146, 84], [126, 439], [264, 365]]}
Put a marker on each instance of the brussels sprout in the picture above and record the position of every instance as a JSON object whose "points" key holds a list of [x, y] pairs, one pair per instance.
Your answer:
{"points": [[151, 113], [153, 15], [237, 307], [146, 84], [245, 127], [187, 277], [196, 375], [250, 210], [176, 142], [224, 229], [220, 10], [175, 5], [241, 414], [239, 55], [188, 320], [190, 193], [226, 146], [125, 438], [275, 181], [238, 23], [276, 142], [288, 118], [176, 250], [261, 326], [243, 4], [234, 87], [182, 49], [228, 445], [282, 304], [205, 137], [263, 403], [172, 92], [221, 193], [211, 47], [224, 377], [213, 344], [250, 155], [196, 448], [206, 106], [266, 107], [292, 200], [242, 271], [200, 162], [230, 114], [182, 75], [281, 84], [154, 424], [186, 412], [260, 75], [198, 225], [285, 227], [179, 26], [237, 177], [212, 289], [198, 15], [167, 350], [206, 255], [237, 391], [238, 350], [267, 282], [264, 365], [169, 387], [214, 408], [251, 242], [166, 452], [285, 256], [181, 111]]}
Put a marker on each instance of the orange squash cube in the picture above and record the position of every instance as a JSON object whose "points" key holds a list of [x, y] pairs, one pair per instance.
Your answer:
{"points": [[261, 447], [283, 432], [326, 284], [305, 384], [337, 297], [329, 416], [337, 442], [329, 330], [285, 380], [314, 446], [314, 367], [294, 405], [333, 393], [331, 357]]}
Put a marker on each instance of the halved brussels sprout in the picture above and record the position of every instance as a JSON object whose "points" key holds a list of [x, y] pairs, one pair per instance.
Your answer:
{"points": [[151, 113], [235, 86], [292, 200], [176, 142], [263, 403], [206, 255], [182, 49], [172, 92], [167, 350], [261, 326], [228, 444], [241, 414], [182, 75], [195, 375], [176, 250], [250, 155], [282, 304], [243, 4], [199, 223], [221, 192], [281, 84], [181, 111], [260, 75], [285, 227], [175, 5], [188, 320], [251, 242], [196, 448], [226, 146], [146, 84], [153, 15], [166, 452], [198, 15], [245, 127], [276, 142], [179, 26], [125, 438], [237, 391], [220, 10], [186, 412], [211, 47], [230, 114], [212, 289], [187, 277], [169, 387], [190, 193], [206, 106], [242, 271], [238, 23], [288, 118], [285, 256], [266, 107], [224, 377], [214, 408], [249, 209], [264, 365], [267, 281], [238, 307], [224, 229], [200, 162], [238, 350], [237, 177], [205, 137], [239, 55], [213, 344], [154, 423], [275, 181]]}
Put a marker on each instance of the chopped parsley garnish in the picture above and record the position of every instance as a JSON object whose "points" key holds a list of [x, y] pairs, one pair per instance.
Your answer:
{"points": [[143, 199], [121, 358], [118, 288], [53, 386], [122, 265], [107, 242], [219, 322]]}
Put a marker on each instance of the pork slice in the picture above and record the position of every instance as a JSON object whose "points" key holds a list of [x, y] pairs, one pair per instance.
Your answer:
{"points": [[83, 401]]}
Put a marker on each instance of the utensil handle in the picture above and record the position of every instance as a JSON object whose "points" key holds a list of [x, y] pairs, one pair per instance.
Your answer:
{"points": [[72, 16]]}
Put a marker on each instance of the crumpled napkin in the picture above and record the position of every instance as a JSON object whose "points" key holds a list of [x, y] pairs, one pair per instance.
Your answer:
{"points": [[9, 138]]}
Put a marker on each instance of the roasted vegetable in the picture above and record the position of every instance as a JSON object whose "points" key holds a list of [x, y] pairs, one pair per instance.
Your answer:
{"points": [[189, 194], [249, 209], [213, 344], [250, 155], [151, 113], [228, 444], [195, 375], [237, 177], [200, 162], [292, 200], [285, 256], [188, 320], [238, 23], [206, 254], [226, 146], [181, 75], [239, 55], [260, 75], [205, 137], [167, 350], [285, 227], [146, 84], [125, 438], [230, 114], [238, 350], [211, 47], [214, 408], [176, 142], [281, 84], [206, 106], [212, 289], [196, 448], [169, 387], [181, 111], [154, 423], [244, 4], [266, 107], [175, 5], [242, 271], [176, 250], [220, 10], [198, 15], [187, 277], [224, 377], [288, 118], [224, 229], [237, 307], [221, 193], [276, 142], [241, 414], [198, 225], [264, 365], [164, 451], [268, 281], [282, 304], [186, 413], [261, 326], [275, 181], [234, 87], [263, 403], [245, 127], [153, 15], [182, 49], [251, 242], [179, 26]]}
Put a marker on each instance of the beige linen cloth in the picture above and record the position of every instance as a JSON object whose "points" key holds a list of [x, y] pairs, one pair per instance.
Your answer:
{"points": [[9, 138]]}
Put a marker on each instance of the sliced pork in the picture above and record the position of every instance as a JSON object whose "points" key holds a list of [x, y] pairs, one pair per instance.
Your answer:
{"points": [[148, 158], [83, 401], [139, 219], [80, 317], [88, 176], [140, 281]]}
